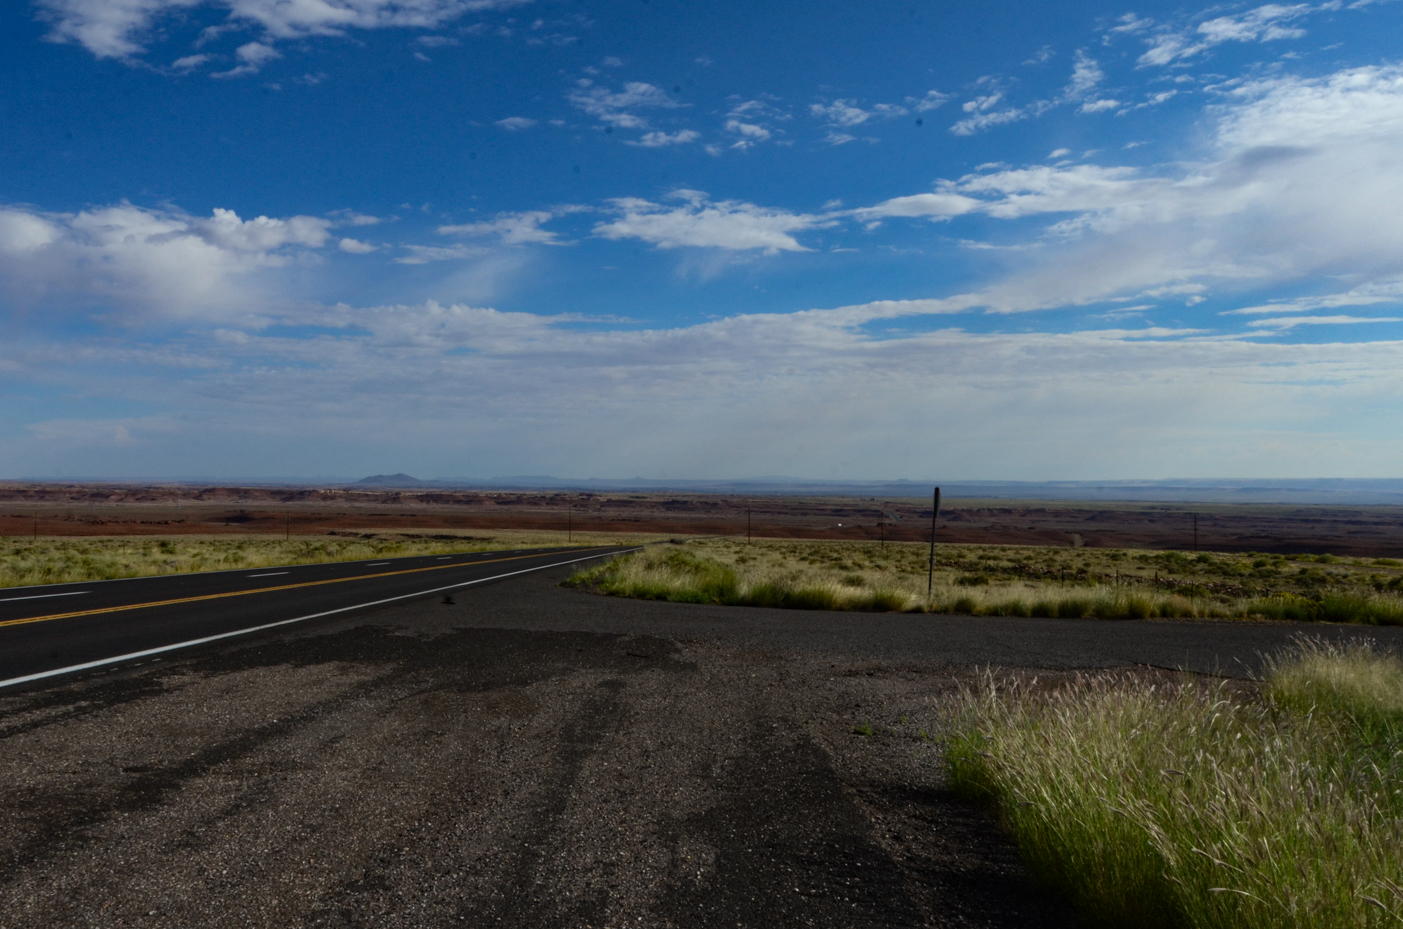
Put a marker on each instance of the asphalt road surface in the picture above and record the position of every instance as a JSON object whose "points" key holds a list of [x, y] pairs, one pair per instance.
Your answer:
{"points": [[535, 756], [56, 629]]}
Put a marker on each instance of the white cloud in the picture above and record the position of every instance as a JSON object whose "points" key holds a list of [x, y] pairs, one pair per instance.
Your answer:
{"points": [[612, 108], [423, 254], [522, 228], [933, 100], [1290, 322], [352, 218], [121, 28], [253, 56], [189, 62], [1086, 75], [1098, 106], [658, 139], [464, 390], [1299, 180], [1264, 24], [847, 114], [140, 262], [700, 223], [516, 123], [982, 120], [937, 205], [356, 246]]}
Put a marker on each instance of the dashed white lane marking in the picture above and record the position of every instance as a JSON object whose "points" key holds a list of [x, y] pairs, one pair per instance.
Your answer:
{"points": [[270, 574], [72, 593], [376, 564]]}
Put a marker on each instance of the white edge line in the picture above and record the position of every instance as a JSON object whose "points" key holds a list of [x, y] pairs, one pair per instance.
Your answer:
{"points": [[71, 593], [269, 574], [101, 662]]}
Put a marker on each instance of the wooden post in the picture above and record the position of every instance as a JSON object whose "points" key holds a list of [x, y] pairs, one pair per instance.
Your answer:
{"points": [[747, 524], [930, 574]]}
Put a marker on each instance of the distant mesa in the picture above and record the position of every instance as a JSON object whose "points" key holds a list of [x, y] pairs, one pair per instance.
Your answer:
{"points": [[390, 480]]}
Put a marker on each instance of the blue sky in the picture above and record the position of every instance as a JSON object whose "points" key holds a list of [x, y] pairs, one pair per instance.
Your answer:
{"points": [[259, 239]]}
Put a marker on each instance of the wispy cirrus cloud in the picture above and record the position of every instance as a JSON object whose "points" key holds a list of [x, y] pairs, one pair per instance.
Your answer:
{"points": [[615, 108], [123, 29]]}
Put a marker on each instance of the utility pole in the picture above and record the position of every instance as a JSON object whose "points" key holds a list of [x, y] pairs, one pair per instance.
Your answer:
{"points": [[930, 574], [287, 527]]}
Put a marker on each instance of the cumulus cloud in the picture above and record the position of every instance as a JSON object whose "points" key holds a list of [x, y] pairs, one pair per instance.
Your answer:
{"points": [[698, 222], [122, 28], [141, 262], [356, 246]]}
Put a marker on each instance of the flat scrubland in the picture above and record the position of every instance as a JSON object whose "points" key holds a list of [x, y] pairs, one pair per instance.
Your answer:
{"points": [[1006, 580], [24, 562], [1193, 805]]}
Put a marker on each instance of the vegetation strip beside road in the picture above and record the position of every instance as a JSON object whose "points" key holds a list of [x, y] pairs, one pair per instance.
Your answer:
{"points": [[30, 562], [1007, 580], [1185, 805]]}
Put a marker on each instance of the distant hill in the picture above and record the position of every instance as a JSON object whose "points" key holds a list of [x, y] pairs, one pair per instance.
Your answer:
{"points": [[390, 480]]}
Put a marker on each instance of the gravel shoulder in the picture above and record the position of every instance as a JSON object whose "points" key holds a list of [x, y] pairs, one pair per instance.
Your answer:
{"points": [[535, 756]]}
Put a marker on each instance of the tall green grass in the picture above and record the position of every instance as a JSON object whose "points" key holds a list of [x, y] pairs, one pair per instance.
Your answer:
{"points": [[1198, 807], [683, 577], [771, 575]]}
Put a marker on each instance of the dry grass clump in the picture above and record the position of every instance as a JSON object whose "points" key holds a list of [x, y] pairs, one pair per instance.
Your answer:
{"points": [[1191, 806]]}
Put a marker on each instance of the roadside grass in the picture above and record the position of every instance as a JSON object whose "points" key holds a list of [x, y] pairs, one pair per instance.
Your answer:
{"points": [[25, 562], [993, 580], [1192, 806]]}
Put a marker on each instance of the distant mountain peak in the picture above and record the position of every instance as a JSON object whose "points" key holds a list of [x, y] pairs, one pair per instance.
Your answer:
{"points": [[390, 480]]}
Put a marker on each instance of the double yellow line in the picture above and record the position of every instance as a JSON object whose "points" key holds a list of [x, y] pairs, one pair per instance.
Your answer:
{"points": [[265, 590]]}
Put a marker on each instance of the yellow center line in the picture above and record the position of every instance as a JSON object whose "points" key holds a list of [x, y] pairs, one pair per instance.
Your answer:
{"points": [[264, 590]]}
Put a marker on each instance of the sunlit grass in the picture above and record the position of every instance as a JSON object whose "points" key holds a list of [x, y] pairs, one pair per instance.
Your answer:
{"points": [[26, 562], [1191, 806], [997, 581]]}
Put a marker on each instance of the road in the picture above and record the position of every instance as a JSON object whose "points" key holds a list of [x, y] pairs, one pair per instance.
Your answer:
{"points": [[60, 629], [536, 756]]}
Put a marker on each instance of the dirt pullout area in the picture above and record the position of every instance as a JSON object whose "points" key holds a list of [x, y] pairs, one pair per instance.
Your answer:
{"points": [[114, 509], [482, 777]]}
